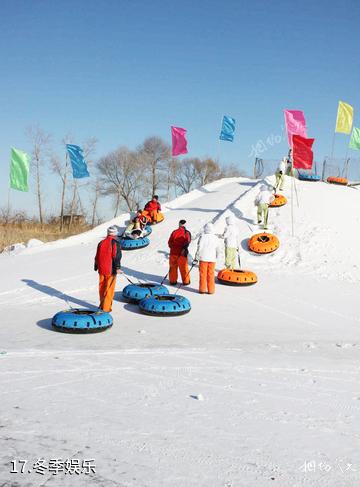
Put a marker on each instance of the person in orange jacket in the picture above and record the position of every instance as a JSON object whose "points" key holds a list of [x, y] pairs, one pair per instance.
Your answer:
{"points": [[108, 265], [153, 209], [179, 242]]}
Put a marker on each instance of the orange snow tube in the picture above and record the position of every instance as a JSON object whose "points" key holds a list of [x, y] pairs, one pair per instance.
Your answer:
{"points": [[263, 243], [147, 216], [336, 180], [236, 277], [279, 200], [154, 216]]}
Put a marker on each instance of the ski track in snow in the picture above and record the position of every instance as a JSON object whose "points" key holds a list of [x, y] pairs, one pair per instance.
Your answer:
{"points": [[277, 363]]}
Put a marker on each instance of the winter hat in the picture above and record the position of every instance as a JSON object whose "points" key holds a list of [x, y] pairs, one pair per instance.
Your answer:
{"points": [[209, 228], [230, 220], [182, 222], [112, 231]]}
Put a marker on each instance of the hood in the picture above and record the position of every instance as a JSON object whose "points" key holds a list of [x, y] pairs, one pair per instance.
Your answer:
{"points": [[230, 220], [209, 228]]}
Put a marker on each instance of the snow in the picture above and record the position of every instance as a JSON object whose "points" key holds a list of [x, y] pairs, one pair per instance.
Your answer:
{"points": [[34, 242], [14, 249], [256, 386]]}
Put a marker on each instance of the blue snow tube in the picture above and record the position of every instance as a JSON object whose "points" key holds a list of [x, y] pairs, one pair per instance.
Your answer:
{"points": [[82, 321], [136, 292], [147, 230], [168, 305], [306, 176], [130, 244]]}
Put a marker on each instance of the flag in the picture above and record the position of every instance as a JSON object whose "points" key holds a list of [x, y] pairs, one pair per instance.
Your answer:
{"points": [[78, 162], [295, 124], [19, 170], [344, 118], [179, 142], [355, 139], [227, 129], [302, 152]]}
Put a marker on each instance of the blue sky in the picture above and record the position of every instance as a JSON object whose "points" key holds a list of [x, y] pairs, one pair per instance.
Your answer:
{"points": [[124, 70]]}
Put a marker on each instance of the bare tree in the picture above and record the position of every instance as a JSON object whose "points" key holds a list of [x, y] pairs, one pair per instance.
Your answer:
{"points": [[207, 170], [186, 175], [121, 175], [61, 168], [231, 171], [95, 188], [40, 142], [155, 154], [172, 167]]}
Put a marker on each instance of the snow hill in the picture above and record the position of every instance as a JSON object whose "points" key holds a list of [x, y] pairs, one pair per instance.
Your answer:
{"points": [[276, 363]]}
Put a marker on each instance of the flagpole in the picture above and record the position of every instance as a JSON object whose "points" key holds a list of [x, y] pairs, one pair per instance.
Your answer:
{"points": [[346, 163], [219, 142], [296, 193], [333, 139], [332, 148], [292, 196]]}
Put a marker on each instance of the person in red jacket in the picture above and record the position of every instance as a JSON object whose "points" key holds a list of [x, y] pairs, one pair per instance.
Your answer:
{"points": [[107, 263], [153, 210], [179, 242]]}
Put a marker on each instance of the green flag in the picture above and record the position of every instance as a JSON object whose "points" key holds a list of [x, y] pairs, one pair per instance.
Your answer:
{"points": [[355, 139], [19, 170]]}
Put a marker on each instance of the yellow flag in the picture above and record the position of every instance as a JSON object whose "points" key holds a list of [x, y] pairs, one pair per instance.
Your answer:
{"points": [[344, 118]]}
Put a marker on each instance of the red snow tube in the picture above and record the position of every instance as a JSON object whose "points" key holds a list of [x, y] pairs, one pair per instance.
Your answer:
{"points": [[336, 180]]}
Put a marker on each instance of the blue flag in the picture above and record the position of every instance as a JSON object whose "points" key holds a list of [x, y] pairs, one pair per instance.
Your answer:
{"points": [[227, 129], [78, 162]]}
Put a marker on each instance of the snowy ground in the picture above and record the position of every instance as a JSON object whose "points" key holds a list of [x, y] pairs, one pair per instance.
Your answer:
{"points": [[277, 363]]}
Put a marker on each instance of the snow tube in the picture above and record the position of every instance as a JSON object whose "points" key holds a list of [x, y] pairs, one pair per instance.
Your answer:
{"points": [[133, 244], [279, 200], [82, 321], [169, 305], [159, 217], [147, 230], [336, 180], [236, 277], [136, 292], [305, 176], [263, 243]]}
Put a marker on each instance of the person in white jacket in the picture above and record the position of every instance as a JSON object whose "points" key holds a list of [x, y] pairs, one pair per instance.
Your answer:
{"points": [[280, 175], [207, 252], [262, 201], [231, 237]]}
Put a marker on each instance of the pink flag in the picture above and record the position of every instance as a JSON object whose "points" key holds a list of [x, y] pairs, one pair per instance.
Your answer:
{"points": [[179, 142], [295, 124]]}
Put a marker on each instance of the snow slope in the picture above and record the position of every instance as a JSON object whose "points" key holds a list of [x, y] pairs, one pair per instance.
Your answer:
{"points": [[277, 363]]}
